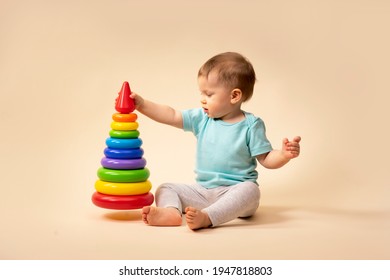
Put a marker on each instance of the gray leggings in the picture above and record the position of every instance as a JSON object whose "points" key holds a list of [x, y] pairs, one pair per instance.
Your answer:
{"points": [[222, 204]]}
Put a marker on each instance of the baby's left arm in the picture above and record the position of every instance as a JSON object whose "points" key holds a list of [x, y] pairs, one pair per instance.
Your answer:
{"points": [[278, 158]]}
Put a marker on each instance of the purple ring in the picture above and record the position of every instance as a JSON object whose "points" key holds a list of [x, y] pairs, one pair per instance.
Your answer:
{"points": [[113, 163]]}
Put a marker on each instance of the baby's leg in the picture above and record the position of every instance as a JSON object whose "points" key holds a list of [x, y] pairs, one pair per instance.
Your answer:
{"points": [[170, 200], [241, 200]]}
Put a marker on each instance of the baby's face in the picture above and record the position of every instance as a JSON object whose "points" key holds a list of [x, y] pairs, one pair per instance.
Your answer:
{"points": [[214, 96]]}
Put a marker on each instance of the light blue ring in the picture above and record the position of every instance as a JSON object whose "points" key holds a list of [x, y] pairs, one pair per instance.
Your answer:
{"points": [[117, 143]]}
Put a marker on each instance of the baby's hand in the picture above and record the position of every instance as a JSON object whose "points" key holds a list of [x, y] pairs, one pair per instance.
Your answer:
{"points": [[138, 100], [291, 149]]}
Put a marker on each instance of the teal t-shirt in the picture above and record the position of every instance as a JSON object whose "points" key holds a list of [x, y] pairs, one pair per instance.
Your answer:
{"points": [[226, 153]]}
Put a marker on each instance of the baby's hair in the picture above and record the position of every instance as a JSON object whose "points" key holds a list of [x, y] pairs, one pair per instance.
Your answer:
{"points": [[234, 71]]}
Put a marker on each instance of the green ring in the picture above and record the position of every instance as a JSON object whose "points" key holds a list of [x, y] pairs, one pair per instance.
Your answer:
{"points": [[123, 176], [124, 133]]}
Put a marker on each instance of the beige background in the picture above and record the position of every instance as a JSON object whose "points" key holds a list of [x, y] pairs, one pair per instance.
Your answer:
{"points": [[323, 74]]}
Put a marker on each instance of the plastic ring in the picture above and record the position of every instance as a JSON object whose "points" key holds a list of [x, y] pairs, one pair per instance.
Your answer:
{"points": [[124, 125], [124, 153], [115, 143], [117, 117], [123, 176], [112, 163], [123, 188], [122, 202], [124, 134]]}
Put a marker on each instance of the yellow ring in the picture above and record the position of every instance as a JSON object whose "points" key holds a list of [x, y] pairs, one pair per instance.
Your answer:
{"points": [[123, 188], [124, 125]]}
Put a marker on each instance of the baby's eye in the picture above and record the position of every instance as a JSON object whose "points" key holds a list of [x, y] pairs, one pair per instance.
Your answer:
{"points": [[208, 94]]}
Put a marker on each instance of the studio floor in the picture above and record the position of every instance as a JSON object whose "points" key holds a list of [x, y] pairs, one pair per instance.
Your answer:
{"points": [[275, 232]]}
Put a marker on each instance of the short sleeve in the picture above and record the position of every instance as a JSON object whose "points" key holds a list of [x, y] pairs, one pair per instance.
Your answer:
{"points": [[193, 119], [257, 140]]}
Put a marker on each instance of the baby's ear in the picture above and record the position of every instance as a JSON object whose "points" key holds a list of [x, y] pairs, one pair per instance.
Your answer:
{"points": [[235, 96]]}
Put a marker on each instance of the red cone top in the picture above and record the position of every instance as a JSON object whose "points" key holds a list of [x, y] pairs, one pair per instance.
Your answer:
{"points": [[124, 103]]}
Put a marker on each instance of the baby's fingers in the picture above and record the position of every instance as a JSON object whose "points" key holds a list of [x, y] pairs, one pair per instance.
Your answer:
{"points": [[297, 139]]}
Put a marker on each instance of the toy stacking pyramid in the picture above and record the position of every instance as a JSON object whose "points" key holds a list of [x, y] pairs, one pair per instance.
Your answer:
{"points": [[123, 178]]}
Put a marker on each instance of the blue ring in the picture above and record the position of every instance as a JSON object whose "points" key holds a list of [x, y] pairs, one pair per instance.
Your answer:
{"points": [[116, 143], [124, 153]]}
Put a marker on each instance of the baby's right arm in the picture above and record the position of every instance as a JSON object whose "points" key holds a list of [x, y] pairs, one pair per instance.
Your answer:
{"points": [[158, 112]]}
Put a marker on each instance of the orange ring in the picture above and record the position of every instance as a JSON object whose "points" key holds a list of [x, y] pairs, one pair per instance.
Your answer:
{"points": [[117, 117]]}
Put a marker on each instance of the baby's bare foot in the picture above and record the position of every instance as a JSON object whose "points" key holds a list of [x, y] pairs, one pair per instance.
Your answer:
{"points": [[157, 216], [197, 219]]}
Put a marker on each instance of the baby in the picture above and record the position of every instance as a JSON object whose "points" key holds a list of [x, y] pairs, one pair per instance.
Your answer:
{"points": [[230, 142]]}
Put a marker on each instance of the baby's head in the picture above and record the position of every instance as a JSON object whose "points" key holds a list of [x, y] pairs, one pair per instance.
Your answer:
{"points": [[233, 70]]}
